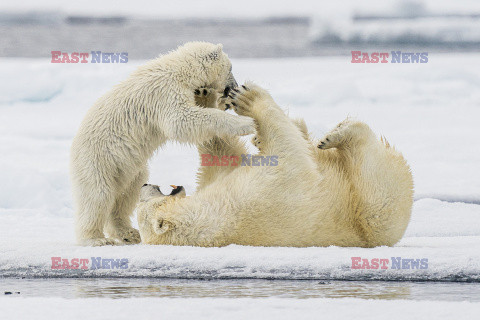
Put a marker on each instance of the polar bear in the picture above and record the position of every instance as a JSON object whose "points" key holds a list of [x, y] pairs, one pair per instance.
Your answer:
{"points": [[348, 189], [122, 130]]}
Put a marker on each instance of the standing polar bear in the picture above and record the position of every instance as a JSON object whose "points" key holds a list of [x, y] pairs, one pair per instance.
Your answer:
{"points": [[349, 189], [121, 131]]}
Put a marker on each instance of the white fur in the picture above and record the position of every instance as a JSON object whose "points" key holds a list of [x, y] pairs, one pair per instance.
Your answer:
{"points": [[353, 191], [121, 131]]}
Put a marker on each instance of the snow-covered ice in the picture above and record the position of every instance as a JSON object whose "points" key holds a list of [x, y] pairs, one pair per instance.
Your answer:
{"points": [[430, 112]]}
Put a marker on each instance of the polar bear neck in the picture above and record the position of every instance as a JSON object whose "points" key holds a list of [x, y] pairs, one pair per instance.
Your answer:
{"points": [[203, 223]]}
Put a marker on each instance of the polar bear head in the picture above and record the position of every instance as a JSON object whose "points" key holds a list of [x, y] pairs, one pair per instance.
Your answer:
{"points": [[205, 65], [151, 202]]}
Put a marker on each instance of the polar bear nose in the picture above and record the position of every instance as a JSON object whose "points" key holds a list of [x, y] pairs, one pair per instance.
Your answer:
{"points": [[176, 189]]}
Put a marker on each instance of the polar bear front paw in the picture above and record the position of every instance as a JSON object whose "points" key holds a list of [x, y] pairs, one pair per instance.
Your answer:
{"points": [[240, 101], [246, 98], [256, 142], [130, 236], [206, 97]]}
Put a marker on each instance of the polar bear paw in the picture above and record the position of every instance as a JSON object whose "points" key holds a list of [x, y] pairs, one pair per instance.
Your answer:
{"points": [[130, 236], [328, 142], [246, 98], [207, 98], [256, 142], [339, 135], [242, 100]]}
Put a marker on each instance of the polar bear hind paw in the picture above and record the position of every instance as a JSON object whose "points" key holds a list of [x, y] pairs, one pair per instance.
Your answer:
{"points": [[338, 136], [326, 143]]}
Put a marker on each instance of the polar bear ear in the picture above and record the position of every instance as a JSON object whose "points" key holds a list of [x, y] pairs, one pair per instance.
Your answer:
{"points": [[160, 225], [216, 53]]}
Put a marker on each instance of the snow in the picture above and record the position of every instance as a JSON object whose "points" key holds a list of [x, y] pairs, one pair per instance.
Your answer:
{"points": [[428, 111], [269, 308]]}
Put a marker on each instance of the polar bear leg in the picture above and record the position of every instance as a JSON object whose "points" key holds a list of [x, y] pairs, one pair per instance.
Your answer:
{"points": [[226, 146], [380, 177], [232, 148], [298, 122], [91, 214], [197, 125], [118, 223], [302, 126], [348, 135], [277, 133]]}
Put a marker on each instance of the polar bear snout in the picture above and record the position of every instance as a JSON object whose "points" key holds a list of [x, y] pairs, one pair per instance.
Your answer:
{"points": [[177, 190], [150, 191]]}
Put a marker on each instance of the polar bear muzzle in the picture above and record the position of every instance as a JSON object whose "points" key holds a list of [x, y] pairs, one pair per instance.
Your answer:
{"points": [[176, 190], [150, 191]]}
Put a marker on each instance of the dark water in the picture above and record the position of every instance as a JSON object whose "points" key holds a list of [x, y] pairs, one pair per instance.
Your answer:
{"points": [[146, 39], [177, 288], [38, 35]]}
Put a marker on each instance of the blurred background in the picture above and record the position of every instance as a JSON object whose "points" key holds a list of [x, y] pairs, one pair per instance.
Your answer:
{"points": [[247, 28]]}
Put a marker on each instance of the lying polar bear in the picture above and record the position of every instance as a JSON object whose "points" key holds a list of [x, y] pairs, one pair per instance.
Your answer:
{"points": [[347, 190]]}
